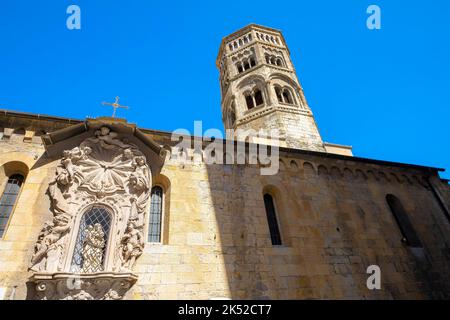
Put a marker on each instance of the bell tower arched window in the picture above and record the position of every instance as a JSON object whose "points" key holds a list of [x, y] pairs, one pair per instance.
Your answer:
{"points": [[155, 217], [284, 95], [254, 98], [8, 200], [258, 97], [91, 245], [279, 94], [287, 96], [249, 101]]}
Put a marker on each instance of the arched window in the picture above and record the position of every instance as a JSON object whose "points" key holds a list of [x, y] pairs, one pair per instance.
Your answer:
{"points": [[278, 93], [409, 234], [89, 255], [287, 96], [249, 101], [272, 60], [252, 62], [155, 217], [258, 97], [239, 67], [279, 62], [275, 235], [8, 200], [267, 59], [246, 65]]}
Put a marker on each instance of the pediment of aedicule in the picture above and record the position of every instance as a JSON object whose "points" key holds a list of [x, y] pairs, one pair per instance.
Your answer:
{"points": [[99, 198]]}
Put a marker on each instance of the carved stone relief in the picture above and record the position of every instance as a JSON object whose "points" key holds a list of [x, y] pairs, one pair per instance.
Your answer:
{"points": [[102, 171]]}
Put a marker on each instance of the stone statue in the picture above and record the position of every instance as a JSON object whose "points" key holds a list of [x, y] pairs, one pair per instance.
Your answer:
{"points": [[112, 295], [108, 139], [132, 245], [92, 252], [47, 249]]}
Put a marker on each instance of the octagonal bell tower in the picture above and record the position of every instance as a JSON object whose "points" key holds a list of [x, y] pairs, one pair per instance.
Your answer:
{"points": [[260, 88]]}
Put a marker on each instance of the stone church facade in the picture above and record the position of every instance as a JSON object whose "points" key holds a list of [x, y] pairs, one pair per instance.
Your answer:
{"points": [[102, 209]]}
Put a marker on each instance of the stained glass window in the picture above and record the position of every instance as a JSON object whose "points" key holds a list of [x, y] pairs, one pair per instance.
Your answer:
{"points": [[92, 241], [8, 200], [154, 229]]}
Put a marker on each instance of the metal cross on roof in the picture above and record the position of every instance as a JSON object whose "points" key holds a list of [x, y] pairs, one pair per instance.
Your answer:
{"points": [[115, 106]]}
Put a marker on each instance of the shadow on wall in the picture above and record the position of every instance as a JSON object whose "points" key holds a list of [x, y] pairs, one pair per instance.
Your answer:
{"points": [[233, 197], [334, 223]]}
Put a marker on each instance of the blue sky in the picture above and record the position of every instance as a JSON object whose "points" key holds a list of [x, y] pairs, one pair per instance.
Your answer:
{"points": [[385, 92]]}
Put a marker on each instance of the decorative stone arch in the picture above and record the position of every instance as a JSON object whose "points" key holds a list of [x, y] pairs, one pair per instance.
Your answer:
{"points": [[348, 173], [360, 175], [322, 170], [309, 168], [383, 177], [285, 81], [293, 165], [335, 171], [395, 178], [371, 175], [249, 85], [13, 167]]}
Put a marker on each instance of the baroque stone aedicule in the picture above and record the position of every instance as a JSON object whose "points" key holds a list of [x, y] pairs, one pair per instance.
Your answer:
{"points": [[99, 199]]}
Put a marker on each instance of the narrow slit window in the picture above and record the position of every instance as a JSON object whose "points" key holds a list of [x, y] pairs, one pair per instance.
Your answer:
{"points": [[275, 235], [156, 205], [409, 235]]}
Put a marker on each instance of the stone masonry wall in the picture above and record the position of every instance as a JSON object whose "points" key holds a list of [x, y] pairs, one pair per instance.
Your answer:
{"points": [[333, 217]]}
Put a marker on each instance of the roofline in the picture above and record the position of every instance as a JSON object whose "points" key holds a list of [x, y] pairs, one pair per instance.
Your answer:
{"points": [[282, 149], [241, 30], [21, 114], [337, 145], [250, 25]]}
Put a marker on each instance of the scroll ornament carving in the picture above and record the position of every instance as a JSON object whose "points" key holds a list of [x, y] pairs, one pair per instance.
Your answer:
{"points": [[63, 286], [103, 169]]}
